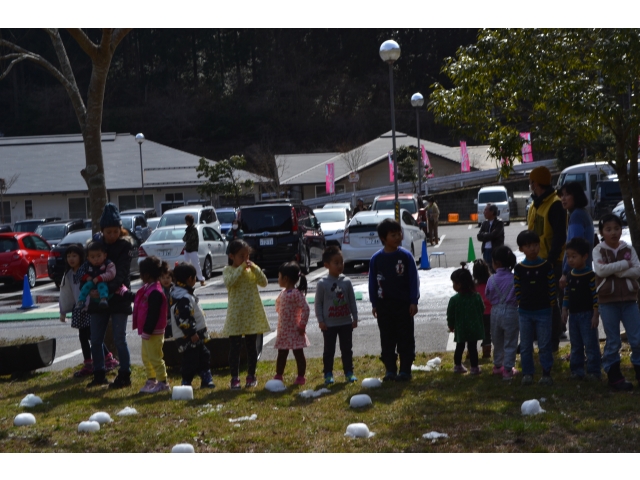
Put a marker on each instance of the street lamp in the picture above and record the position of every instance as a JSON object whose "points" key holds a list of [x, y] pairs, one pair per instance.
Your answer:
{"points": [[389, 53], [417, 100], [140, 139]]}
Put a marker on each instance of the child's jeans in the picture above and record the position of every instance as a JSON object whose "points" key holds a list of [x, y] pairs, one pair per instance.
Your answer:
{"points": [[505, 328], [539, 324], [151, 351], [103, 290], [612, 314], [584, 339], [234, 354], [331, 334], [396, 331]]}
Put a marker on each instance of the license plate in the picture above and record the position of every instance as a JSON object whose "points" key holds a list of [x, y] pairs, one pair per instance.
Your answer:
{"points": [[371, 241], [266, 241], [164, 253]]}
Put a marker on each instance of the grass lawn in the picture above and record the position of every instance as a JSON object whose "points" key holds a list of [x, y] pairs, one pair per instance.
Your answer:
{"points": [[478, 413]]}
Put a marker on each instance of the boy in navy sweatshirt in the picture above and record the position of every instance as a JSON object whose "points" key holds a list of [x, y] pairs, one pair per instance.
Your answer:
{"points": [[394, 289]]}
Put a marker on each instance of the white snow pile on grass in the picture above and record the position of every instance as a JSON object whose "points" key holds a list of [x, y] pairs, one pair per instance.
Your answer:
{"points": [[183, 448], [30, 400], [531, 407], [23, 419], [433, 436], [312, 394], [371, 383], [101, 417], [434, 284], [433, 364], [275, 386], [127, 411], [358, 430], [90, 426], [208, 408], [183, 392], [359, 401], [244, 419]]}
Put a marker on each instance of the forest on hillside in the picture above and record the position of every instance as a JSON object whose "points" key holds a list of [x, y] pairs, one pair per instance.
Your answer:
{"points": [[257, 92]]}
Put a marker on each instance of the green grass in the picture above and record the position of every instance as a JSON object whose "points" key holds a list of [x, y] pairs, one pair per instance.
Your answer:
{"points": [[478, 413]]}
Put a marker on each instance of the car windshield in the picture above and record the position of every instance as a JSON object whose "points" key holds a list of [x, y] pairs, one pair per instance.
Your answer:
{"points": [[127, 221], [26, 226], [51, 232], [267, 219], [170, 219], [407, 204], [492, 197], [79, 236], [165, 235], [226, 217], [8, 245], [330, 215], [152, 223]]}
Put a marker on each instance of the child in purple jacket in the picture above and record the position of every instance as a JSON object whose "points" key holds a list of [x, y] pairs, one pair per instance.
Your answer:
{"points": [[504, 313]]}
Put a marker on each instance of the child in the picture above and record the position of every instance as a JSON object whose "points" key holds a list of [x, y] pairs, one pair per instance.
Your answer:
{"points": [[337, 314], [394, 292], [481, 275], [69, 293], [234, 233], [505, 327], [150, 319], [464, 319], [166, 280], [189, 327], [535, 287], [616, 266], [192, 243], [293, 315], [98, 270], [245, 314], [580, 305]]}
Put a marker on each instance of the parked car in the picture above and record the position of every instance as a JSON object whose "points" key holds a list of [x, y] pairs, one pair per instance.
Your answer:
{"points": [[166, 243], [152, 223], [136, 223], [281, 231], [31, 224], [87, 223], [619, 210], [408, 201], [147, 212], [53, 232], [587, 175], [608, 195], [496, 195], [23, 253], [57, 261], [345, 205], [226, 216], [333, 222], [175, 216], [6, 228], [361, 239]]}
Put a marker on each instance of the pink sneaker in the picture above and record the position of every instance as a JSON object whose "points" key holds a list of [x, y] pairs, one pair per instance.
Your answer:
{"points": [[300, 380], [278, 377], [87, 369], [160, 387], [149, 386], [459, 369], [110, 363], [475, 371], [251, 381], [497, 370], [509, 374]]}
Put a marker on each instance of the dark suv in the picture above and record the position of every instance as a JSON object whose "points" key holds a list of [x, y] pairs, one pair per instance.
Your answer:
{"points": [[53, 232], [281, 231], [31, 224]]}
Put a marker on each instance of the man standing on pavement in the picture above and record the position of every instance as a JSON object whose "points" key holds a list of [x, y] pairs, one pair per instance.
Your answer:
{"points": [[549, 220], [433, 214], [359, 206], [491, 234]]}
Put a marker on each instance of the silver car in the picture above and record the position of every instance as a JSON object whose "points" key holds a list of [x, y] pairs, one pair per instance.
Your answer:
{"points": [[333, 222]]}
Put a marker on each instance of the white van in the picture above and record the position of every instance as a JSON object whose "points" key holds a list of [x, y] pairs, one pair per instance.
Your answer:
{"points": [[497, 196], [587, 175]]}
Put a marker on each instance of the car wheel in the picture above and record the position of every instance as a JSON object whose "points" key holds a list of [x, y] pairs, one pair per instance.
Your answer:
{"points": [[206, 271], [31, 275]]}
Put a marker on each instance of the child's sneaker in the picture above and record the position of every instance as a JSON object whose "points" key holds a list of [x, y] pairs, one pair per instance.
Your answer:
{"points": [[527, 380], [300, 380], [546, 380], [149, 386], [110, 362], [86, 370], [104, 304], [328, 379], [350, 377], [459, 369], [389, 377], [403, 377], [160, 387], [475, 371], [123, 379], [277, 376], [235, 383], [252, 381], [498, 371], [508, 374], [206, 380]]}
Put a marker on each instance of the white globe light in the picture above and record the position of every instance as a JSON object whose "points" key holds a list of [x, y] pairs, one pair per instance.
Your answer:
{"points": [[417, 100], [140, 138], [390, 51]]}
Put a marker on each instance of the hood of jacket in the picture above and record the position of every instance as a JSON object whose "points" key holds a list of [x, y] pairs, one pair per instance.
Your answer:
{"points": [[538, 199]]}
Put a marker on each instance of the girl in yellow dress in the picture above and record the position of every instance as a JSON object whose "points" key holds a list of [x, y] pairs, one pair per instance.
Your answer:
{"points": [[245, 313]]}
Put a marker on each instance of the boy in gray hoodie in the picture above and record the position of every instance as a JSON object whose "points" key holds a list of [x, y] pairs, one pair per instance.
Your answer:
{"points": [[337, 313]]}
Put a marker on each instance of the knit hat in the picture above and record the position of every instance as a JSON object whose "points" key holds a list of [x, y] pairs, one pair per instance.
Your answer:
{"points": [[110, 217], [540, 175]]}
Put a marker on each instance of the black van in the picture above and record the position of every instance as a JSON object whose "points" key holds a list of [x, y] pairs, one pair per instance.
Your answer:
{"points": [[280, 231], [608, 195]]}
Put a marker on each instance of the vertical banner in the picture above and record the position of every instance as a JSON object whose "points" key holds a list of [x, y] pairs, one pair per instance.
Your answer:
{"points": [[391, 176], [427, 164], [329, 179], [464, 156], [527, 152]]}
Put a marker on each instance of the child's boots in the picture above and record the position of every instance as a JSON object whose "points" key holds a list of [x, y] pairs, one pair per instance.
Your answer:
{"points": [[87, 369], [616, 380], [206, 379], [122, 380]]}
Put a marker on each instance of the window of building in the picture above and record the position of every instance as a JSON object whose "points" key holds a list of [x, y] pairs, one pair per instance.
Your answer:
{"points": [[28, 209], [129, 202], [322, 192], [79, 208], [173, 197], [5, 213]]}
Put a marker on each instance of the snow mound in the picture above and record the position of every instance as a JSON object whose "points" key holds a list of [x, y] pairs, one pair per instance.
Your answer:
{"points": [[23, 419], [90, 426], [275, 386], [358, 430], [371, 383], [244, 419], [362, 400], [312, 394], [126, 411], [183, 448], [101, 417], [184, 392], [433, 364], [30, 400], [434, 435], [531, 407]]}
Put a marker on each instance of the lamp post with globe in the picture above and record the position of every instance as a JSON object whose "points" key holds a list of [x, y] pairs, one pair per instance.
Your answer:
{"points": [[140, 139], [417, 100]]}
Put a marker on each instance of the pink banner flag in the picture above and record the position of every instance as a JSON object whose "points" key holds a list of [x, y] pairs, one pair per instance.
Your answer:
{"points": [[527, 152], [427, 164], [391, 176], [329, 179], [464, 155]]}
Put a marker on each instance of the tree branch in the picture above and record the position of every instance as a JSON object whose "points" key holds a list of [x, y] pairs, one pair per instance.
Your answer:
{"points": [[84, 41], [118, 35], [18, 58]]}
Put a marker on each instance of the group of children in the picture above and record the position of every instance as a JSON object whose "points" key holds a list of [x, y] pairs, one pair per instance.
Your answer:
{"points": [[521, 297]]}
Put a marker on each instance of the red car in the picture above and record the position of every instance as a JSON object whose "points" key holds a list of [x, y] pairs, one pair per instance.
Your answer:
{"points": [[23, 253]]}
